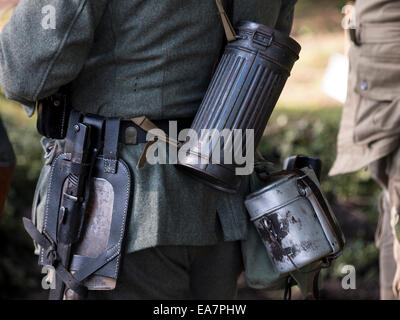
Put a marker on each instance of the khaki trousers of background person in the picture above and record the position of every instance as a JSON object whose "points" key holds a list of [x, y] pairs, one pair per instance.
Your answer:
{"points": [[386, 172]]}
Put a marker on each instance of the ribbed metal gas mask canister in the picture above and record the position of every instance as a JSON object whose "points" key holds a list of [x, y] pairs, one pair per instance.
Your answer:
{"points": [[242, 95]]}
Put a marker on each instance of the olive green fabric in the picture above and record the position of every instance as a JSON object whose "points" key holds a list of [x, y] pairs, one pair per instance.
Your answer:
{"points": [[133, 58], [7, 157], [260, 271]]}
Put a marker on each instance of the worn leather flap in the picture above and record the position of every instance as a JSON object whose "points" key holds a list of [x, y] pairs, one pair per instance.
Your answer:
{"points": [[98, 252]]}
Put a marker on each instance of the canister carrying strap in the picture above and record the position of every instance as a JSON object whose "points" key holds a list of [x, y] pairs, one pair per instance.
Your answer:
{"points": [[145, 124], [229, 31]]}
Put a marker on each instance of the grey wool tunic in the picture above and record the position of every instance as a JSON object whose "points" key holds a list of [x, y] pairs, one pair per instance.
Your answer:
{"points": [[133, 58]]}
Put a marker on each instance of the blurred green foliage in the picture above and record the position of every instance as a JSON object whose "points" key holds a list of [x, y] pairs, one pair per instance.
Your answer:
{"points": [[19, 273], [318, 17], [314, 132], [309, 5]]}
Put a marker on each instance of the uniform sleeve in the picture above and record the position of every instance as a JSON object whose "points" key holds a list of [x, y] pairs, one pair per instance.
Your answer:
{"points": [[285, 19], [277, 14], [45, 45]]}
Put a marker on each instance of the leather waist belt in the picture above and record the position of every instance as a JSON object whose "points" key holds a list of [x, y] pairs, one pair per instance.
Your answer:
{"points": [[128, 132]]}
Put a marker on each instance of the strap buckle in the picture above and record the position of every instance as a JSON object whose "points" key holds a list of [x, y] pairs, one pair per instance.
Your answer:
{"points": [[51, 255], [263, 39]]}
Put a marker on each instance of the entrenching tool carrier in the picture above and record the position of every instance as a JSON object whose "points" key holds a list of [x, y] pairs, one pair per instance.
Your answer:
{"points": [[86, 209]]}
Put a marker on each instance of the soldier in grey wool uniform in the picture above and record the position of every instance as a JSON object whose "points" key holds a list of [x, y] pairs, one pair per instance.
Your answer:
{"points": [[141, 58]]}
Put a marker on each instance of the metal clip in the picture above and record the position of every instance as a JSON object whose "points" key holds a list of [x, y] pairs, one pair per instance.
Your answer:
{"points": [[51, 255], [303, 189], [50, 277]]}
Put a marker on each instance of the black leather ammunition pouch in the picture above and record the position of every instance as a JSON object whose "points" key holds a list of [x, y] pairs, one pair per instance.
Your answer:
{"points": [[53, 114]]}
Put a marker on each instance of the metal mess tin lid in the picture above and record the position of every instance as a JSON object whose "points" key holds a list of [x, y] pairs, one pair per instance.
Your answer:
{"points": [[274, 196]]}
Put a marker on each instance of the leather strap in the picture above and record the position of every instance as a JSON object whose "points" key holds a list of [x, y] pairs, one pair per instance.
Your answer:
{"points": [[91, 265], [131, 133], [73, 120], [299, 161], [98, 134], [70, 281], [96, 124], [143, 157], [110, 150], [146, 125]]}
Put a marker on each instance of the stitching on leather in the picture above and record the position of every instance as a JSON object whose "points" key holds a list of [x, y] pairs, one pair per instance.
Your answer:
{"points": [[125, 214], [47, 199]]}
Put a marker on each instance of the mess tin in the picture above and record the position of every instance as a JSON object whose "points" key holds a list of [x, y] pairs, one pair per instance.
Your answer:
{"points": [[294, 220]]}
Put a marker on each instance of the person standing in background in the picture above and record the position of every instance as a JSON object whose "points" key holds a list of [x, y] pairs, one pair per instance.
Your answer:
{"points": [[369, 135]]}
